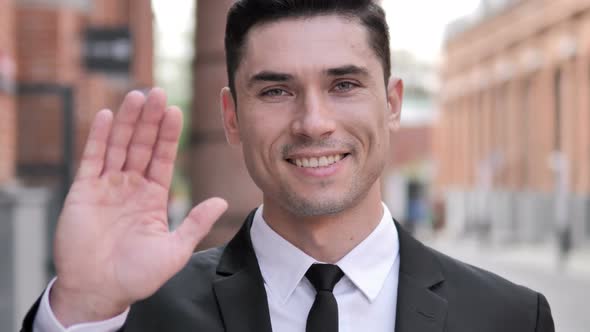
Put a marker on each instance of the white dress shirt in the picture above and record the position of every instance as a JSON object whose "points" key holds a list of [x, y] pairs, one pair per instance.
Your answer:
{"points": [[366, 295], [45, 320]]}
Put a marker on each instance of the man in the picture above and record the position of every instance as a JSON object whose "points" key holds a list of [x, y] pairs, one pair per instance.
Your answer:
{"points": [[311, 103]]}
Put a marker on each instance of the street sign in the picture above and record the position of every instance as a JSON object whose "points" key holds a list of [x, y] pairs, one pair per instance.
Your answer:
{"points": [[108, 50]]}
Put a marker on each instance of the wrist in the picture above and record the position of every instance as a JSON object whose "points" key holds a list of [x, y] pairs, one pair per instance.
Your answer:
{"points": [[71, 306]]}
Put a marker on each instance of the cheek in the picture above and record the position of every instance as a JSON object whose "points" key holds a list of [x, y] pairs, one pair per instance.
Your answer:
{"points": [[261, 135], [368, 123]]}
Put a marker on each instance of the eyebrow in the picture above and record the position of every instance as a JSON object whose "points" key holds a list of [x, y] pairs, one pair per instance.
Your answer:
{"points": [[269, 76], [347, 70]]}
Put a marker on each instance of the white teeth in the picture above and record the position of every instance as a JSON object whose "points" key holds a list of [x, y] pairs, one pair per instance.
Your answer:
{"points": [[313, 162]]}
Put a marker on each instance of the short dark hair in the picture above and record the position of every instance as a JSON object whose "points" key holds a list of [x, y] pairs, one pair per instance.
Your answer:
{"points": [[245, 14]]}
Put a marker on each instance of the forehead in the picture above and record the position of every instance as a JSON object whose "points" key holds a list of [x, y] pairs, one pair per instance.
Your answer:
{"points": [[308, 44]]}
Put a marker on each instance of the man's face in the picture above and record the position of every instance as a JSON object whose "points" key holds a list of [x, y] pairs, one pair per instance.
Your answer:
{"points": [[314, 116]]}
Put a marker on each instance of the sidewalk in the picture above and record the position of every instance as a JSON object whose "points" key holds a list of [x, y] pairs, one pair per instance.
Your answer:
{"points": [[566, 285], [541, 257]]}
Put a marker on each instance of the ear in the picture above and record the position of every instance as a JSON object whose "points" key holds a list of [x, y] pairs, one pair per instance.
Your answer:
{"points": [[395, 92], [230, 117]]}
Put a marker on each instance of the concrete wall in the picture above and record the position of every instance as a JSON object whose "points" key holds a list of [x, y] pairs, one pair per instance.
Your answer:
{"points": [[24, 245]]}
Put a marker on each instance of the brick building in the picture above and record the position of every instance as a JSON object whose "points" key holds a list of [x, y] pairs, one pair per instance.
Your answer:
{"points": [[49, 94], [7, 101], [513, 140], [42, 43], [51, 38]]}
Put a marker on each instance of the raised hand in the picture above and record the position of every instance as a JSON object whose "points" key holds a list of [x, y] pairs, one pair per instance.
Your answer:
{"points": [[112, 245]]}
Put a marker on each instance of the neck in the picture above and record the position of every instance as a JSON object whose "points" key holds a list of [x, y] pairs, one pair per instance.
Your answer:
{"points": [[327, 238]]}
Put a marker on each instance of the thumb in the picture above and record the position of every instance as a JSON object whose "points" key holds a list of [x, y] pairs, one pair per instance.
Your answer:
{"points": [[199, 221]]}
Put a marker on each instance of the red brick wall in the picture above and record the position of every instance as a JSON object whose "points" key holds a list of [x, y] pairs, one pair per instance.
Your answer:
{"points": [[140, 19], [6, 24], [138, 15], [7, 109], [109, 12], [40, 131], [517, 51], [97, 91], [7, 138], [49, 44]]}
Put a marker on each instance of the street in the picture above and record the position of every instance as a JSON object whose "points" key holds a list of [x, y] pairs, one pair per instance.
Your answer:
{"points": [[566, 286]]}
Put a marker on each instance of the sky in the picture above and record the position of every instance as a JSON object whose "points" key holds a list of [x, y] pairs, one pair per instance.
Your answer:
{"points": [[173, 20], [416, 25]]}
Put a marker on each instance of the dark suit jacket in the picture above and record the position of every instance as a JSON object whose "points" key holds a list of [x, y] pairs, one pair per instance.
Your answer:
{"points": [[221, 289]]}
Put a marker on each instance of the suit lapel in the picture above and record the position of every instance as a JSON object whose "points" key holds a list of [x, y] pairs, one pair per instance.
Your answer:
{"points": [[240, 293], [239, 287], [419, 307]]}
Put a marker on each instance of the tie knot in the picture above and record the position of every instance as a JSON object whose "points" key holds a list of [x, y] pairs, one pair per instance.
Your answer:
{"points": [[324, 276]]}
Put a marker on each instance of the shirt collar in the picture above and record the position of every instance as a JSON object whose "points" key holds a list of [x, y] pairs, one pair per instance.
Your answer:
{"points": [[283, 265], [369, 263]]}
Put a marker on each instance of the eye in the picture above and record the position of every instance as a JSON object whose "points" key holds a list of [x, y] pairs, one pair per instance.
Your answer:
{"points": [[344, 86], [274, 92]]}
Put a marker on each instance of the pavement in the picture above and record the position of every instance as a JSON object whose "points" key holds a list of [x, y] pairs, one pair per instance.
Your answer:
{"points": [[542, 257], [565, 283]]}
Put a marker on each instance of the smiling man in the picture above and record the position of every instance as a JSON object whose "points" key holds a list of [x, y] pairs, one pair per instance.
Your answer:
{"points": [[312, 105]]}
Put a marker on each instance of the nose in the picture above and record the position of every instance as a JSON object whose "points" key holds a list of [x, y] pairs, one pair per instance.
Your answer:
{"points": [[315, 119]]}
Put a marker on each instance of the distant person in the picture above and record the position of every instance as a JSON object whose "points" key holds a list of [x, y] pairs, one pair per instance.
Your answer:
{"points": [[312, 105]]}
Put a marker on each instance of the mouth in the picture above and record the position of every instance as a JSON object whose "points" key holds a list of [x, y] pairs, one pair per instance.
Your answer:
{"points": [[317, 162]]}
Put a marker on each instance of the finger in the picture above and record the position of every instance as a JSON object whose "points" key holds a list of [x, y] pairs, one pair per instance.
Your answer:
{"points": [[161, 167], [93, 157], [123, 128], [146, 131], [198, 223]]}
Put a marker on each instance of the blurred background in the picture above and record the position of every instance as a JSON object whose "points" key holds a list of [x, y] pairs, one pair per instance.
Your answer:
{"points": [[491, 165]]}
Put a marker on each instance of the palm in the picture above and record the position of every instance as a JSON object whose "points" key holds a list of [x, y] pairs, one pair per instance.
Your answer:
{"points": [[112, 239], [128, 222]]}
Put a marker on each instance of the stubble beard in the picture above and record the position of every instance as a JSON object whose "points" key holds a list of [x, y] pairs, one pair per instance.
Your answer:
{"points": [[300, 206]]}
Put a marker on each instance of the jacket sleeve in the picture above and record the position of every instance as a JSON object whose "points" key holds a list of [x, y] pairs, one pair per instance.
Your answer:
{"points": [[544, 317]]}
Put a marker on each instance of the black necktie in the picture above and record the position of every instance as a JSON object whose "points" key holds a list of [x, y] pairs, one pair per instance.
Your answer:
{"points": [[323, 316]]}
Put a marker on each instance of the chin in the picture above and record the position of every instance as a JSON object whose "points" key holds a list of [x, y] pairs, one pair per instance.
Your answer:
{"points": [[307, 206]]}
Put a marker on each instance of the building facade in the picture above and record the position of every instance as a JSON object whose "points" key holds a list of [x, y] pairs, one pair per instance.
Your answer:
{"points": [[7, 98], [52, 41], [513, 136], [61, 61]]}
